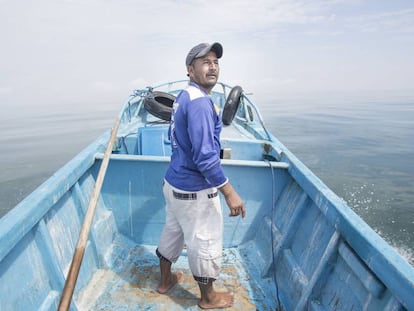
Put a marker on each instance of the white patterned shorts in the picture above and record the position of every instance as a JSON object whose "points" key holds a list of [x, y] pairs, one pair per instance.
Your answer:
{"points": [[194, 219]]}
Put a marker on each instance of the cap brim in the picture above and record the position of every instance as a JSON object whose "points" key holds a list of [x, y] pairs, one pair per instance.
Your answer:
{"points": [[215, 47]]}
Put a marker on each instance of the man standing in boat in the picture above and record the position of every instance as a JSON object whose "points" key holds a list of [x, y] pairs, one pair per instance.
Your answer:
{"points": [[192, 181]]}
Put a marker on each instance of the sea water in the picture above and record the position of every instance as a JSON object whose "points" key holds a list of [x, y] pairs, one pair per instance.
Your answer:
{"points": [[360, 144]]}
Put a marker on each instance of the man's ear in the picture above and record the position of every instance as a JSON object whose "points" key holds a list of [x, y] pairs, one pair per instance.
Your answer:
{"points": [[190, 71]]}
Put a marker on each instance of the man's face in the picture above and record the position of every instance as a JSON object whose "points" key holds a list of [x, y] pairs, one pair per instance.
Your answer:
{"points": [[205, 71]]}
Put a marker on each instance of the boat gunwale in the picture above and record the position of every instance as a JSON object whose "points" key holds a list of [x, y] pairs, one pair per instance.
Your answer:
{"points": [[225, 162], [368, 245]]}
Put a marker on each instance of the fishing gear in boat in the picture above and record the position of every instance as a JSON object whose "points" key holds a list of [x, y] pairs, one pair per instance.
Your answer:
{"points": [[232, 105], [159, 104]]}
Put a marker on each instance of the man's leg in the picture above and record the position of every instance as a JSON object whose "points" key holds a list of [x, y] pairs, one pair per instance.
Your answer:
{"points": [[205, 251], [168, 278], [210, 299], [171, 245]]}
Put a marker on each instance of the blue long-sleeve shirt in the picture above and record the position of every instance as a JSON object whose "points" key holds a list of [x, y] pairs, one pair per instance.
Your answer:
{"points": [[195, 139]]}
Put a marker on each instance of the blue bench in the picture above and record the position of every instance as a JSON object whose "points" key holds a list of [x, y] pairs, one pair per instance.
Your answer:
{"points": [[154, 140]]}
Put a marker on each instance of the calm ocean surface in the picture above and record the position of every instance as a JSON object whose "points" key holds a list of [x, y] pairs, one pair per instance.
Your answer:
{"points": [[360, 145]]}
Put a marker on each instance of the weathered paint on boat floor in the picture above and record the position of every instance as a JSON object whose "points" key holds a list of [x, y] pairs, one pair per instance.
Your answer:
{"points": [[132, 285]]}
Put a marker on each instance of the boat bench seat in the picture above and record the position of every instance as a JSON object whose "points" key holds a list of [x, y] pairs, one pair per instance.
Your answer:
{"points": [[153, 140]]}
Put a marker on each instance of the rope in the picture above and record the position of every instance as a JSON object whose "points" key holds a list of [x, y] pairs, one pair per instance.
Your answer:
{"points": [[273, 238]]}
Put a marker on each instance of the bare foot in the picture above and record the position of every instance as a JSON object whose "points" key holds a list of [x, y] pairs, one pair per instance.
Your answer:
{"points": [[218, 301], [175, 278]]}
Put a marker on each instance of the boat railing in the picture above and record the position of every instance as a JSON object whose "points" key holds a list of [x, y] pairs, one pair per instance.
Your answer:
{"points": [[251, 113]]}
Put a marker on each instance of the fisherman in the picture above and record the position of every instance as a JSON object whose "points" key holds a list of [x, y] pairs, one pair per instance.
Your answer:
{"points": [[191, 184]]}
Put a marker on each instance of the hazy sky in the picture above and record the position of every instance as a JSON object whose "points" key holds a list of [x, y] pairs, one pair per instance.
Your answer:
{"points": [[83, 49]]}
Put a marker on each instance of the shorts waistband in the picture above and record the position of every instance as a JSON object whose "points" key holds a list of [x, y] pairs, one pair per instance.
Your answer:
{"points": [[191, 195]]}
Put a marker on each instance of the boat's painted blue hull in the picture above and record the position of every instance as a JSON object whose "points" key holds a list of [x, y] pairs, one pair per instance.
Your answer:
{"points": [[299, 248]]}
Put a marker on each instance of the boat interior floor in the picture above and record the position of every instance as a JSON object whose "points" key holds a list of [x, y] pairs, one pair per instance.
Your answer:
{"points": [[132, 282]]}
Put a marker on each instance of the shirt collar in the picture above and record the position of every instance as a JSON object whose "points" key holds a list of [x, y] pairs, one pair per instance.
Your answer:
{"points": [[197, 86]]}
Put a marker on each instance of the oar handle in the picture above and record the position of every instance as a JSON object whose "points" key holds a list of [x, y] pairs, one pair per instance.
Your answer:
{"points": [[86, 227]]}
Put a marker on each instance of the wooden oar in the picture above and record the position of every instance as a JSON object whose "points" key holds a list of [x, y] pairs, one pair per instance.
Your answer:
{"points": [[86, 227]]}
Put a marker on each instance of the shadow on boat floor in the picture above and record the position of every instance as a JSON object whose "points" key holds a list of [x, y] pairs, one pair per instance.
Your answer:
{"points": [[132, 283]]}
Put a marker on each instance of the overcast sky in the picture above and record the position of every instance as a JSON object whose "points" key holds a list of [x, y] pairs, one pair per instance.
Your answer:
{"points": [[83, 49]]}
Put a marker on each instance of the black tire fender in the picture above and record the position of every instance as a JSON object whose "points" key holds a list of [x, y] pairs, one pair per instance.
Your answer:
{"points": [[231, 105], [159, 104]]}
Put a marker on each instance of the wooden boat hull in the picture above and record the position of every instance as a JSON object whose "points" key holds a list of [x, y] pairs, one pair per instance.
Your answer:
{"points": [[300, 247]]}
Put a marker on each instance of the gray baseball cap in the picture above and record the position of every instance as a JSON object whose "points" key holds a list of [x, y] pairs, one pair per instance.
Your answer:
{"points": [[201, 50]]}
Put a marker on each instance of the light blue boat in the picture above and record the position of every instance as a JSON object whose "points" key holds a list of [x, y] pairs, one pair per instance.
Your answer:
{"points": [[300, 247]]}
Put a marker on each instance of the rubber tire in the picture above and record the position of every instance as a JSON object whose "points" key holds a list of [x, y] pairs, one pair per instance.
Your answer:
{"points": [[232, 105], [159, 104]]}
